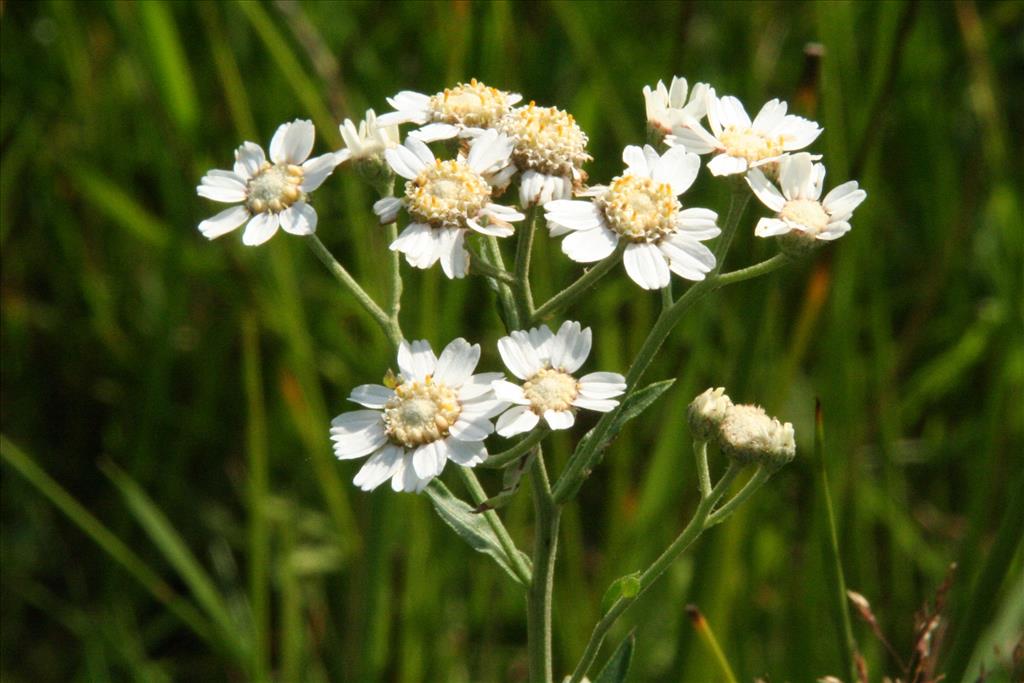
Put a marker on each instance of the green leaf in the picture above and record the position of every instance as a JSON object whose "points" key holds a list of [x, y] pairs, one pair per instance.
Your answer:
{"points": [[511, 477], [632, 407], [470, 526], [617, 668], [623, 587]]}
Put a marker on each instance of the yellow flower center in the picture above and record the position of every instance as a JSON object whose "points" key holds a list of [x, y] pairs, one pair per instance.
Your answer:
{"points": [[806, 212], [446, 193], [640, 209], [548, 140], [274, 188], [470, 104], [420, 413], [750, 144], [550, 389]]}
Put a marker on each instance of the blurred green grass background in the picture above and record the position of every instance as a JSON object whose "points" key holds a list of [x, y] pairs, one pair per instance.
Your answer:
{"points": [[172, 396]]}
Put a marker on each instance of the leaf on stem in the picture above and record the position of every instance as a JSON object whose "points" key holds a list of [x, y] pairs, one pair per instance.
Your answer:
{"points": [[510, 480], [470, 526], [627, 586], [632, 406], [617, 668]]}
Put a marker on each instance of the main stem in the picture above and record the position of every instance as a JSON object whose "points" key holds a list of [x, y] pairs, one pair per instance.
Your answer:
{"points": [[539, 596]]}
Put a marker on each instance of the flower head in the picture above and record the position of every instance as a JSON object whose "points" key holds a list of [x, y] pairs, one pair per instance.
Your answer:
{"points": [[460, 111], [445, 198], [799, 214], [670, 107], [550, 150], [749, 435], [642, 208], [437, 411], [738, 143], [546, 363], [268, 194], [706, 413], [369, 140]]}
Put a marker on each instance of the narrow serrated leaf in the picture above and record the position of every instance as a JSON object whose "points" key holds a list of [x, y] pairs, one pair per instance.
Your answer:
{"points": [[617, 668], [470, 526]]}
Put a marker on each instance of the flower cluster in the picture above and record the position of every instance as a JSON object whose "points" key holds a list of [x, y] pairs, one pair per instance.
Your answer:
{"points": [[746, 434], [435, 409], [486, 142]]}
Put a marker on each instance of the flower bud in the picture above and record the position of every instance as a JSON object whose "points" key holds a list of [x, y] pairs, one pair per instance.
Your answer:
{"points": [[706, 413], [796, 244], [749, 435]]}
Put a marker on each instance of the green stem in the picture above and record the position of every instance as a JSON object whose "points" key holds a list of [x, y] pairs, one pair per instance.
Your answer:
{"points": [[700, 451], [683, 541], [753, 484], [756, 270], [387, 324], [480, 266], [478, 496], [521, 448], [395, 277], [524, 247], [577, 288], [539, 597], [505, 294]]}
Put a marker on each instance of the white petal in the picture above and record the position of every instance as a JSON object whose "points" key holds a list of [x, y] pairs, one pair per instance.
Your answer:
{"points": [[453, 255], [407, 101], [479, 386], [489, 151], [587, 246], [379, 468], [697, 223], [432, 132], [678, 168], [404, 162], [299, 219], [559, 419], [843, 199], [521, 359], [249, 158], [416, 360], [429, 460], [517, 420], [457, 362], [224, 222], [466, 453], [602, 385], [770, 227], [770, 116], [765, 190], [371, 395], [475, 429], [636, 162], [693, 138], [494, 229], [505, 213], [723, 164], [646, 265], [222, 186], [601, 405], [834, 231], [387, 209], [260, 229], [797, 132], [730, 112], [292, 142], [509, 393], [316, 170], [794, 172], [484, 407], [575, 215], [570, 347], [422, 152], [406, 479], [688, 259], [420, 245], [357, 433]]}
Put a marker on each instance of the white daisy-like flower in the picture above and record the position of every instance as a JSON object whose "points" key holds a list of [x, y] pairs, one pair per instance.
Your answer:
{"points": [[546, 363], [642, 207], [670, 107], [268, 194], [550, 150], [463, 110], [797, 207], [437, 411], [445, 198], [368, 140], [738, 143]]}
